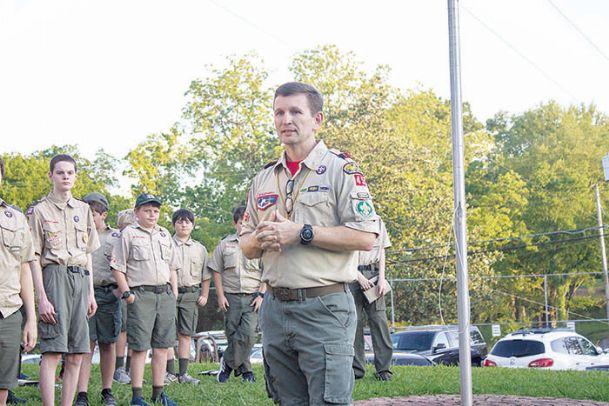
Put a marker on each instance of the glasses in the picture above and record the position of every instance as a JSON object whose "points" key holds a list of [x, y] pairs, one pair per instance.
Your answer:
{"points": [[289, 200]]}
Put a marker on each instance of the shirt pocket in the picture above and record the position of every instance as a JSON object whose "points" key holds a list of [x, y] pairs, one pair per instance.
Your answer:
{"points": [[140, 252], [165, 250], [82, 236], [231, 257], [314, 208], [12, 238], [196, 267], [53, 236]]}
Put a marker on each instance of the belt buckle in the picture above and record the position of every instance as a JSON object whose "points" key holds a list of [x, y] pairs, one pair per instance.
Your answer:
{"points": [[159, 289], [282, 294]]}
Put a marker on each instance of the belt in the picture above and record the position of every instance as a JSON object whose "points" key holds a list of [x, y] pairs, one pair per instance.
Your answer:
{"points": [[366, 267], [290, 295], [158, 289], [110, 286], [70, 268], [189, 289]]}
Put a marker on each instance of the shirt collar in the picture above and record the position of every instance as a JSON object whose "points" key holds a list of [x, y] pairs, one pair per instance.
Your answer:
{"points": [[180, 242], [312, 160], [60, 203]]}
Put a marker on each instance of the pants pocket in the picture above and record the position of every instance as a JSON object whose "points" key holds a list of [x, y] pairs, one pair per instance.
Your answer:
{"points": [[338, 375], [379, 304], [49, 331]]}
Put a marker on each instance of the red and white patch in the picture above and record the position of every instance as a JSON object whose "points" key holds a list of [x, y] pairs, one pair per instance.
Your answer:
{"points": [[360, 180], [266, 200]]}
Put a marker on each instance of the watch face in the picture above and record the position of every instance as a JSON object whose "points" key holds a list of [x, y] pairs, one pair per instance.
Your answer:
{"points": [[307, 234]]}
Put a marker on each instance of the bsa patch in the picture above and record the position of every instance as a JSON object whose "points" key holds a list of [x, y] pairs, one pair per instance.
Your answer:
{"points": [[76, 219], [363, 195], [365, 209], [324, 188], [360, 180], [163, 234], [266, 200], [116, 234], [321, 169], [8, 214], [312, 188], [29, 211], [351, 168]]}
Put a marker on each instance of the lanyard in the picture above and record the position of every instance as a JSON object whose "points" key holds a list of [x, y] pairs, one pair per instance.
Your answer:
{"points": [[295, 190]]}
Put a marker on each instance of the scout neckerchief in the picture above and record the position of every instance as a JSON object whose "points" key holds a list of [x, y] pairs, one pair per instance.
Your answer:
{"points": [[293, 193]]}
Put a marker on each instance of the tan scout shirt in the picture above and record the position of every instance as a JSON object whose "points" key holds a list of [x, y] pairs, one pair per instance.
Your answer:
{"points": [[239, 274], [329, 191], [146, 257], [374, 255], [63, 233], [102, 257], [15, 249], [194, 262]]}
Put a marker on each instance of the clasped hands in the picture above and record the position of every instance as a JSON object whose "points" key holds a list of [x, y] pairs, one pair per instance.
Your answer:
{"points": [[277, 233]]}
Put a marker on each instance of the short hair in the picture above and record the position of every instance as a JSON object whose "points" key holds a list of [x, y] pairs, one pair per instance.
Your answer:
{"points": [[316, 100], [2, 167], [98, 207], [238, 213], [61, 158], [182, 214], [125, 217]]}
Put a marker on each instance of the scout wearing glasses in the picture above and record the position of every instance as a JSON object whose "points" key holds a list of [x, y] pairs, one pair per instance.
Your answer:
{"points": [[145, 271], [307, 215], [63, 236], [16, 253]]}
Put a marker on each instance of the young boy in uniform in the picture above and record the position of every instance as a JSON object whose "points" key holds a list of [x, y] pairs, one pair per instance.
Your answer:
{"points": [[193, 289], [145, 270], [63, 236], [16, 252], [240, 293], [104, 326]]}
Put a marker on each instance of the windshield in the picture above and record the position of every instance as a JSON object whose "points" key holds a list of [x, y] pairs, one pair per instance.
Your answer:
{"points": [[518, 348], [412, 340]]}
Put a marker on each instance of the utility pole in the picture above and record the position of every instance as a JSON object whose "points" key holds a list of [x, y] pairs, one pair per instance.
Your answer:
{"points": [[601, 233]]}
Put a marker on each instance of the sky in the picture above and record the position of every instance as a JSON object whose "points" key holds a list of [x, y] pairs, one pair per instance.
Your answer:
{"points": [[105, 74]]}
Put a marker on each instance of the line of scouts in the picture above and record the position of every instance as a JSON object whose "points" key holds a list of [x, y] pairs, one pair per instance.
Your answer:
{"points": [[293, 259]]}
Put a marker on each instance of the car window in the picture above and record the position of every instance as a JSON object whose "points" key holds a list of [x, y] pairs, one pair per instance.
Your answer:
{"points": [[559, 346], [572, 345], [412, 340], [476, 337], [518, 348], [453, 338], [441, 339], [587, 347]]}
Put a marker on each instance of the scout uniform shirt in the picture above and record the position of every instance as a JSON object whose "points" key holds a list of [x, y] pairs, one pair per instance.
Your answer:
{"points": [[16, 249], [63, 233], [146, 256], [239, 274], [194, 262], [373, 256], [102, 257], [329, 190]]}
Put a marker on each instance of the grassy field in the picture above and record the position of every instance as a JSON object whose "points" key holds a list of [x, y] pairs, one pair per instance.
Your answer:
{"points": [[407, 381]]}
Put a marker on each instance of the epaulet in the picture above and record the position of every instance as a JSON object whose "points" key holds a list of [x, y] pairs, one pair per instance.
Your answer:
{"points": [[267, 166], [15, 207], [341, 155]]}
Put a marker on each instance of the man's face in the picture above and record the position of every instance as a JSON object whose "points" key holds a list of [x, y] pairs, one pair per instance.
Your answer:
{"points": [[147, 215], [99, 219], [63, 176], [294, 122], [183, 228]]}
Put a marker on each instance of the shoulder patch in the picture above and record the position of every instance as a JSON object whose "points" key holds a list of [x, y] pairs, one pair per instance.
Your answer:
{"points": [[268, 165]]}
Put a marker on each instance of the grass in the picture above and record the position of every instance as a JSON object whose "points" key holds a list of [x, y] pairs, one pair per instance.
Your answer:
{"points": [[407, 381]]}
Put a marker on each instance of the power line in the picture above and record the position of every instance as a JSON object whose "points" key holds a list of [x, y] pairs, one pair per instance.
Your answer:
{"points": [[579, 30]]}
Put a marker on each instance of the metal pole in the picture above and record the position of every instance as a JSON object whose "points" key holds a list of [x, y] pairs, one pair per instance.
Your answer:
{"points": [[601, 232], [465, 365], [392, 307], [545, 298]]}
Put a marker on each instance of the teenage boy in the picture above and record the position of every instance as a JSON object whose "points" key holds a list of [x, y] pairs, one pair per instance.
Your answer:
{"points": [[193, 289], [63, 236], [240, 293], [104, 326], [145, 270], [16, 253]]}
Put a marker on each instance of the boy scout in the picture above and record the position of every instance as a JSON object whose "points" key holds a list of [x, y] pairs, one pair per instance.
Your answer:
{"points": [[145, 270], [372, 265], [306, 216], [193, 288], [240, 293], [104, 326], [63, 236], [16, 253]]}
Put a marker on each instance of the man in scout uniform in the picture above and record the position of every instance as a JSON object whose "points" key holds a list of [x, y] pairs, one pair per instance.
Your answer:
{"points": [[63, 236], [124, 218], [193, 289], [306, 216], [145, 270], [104, 326], [240, 293], [372, 265], [16, 257]]}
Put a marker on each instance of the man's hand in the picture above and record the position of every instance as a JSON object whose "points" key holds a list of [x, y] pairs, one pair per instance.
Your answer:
{"points": [[223, 303], [30, 335], [278, 233], [92, 307], [202, 300], [130, 299], [364, 283], [383, 287], [257, 302], [46, 312]]}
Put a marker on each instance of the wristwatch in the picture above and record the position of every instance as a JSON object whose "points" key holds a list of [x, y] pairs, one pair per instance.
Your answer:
{"points": [[259, 294], [306, 234], [126, 294]]}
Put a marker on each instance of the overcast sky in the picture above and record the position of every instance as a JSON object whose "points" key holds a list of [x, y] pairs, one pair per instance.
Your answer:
{"points": [[105, 74]]}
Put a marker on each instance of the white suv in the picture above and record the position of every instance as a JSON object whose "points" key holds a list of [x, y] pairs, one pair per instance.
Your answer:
{"points": [[547, 349]]}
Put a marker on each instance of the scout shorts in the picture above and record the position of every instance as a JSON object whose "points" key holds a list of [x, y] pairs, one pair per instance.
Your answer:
{"points": [[10, 340], [151, 319], [105, 325], [187, 313]]}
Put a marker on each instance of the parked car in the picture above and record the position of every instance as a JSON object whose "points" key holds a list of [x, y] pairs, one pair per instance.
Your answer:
{"points": [[548, 349], [439, 343]]}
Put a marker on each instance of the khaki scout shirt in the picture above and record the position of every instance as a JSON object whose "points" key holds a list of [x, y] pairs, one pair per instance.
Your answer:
{"points": [[102, 257], [374, 255], [329, 191], [239, 274], [194, 262], [15, 249], [63, 233], [146, 257]]}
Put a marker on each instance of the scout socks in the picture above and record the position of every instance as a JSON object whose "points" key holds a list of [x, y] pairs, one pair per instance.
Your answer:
{"points": [[183, 362]]}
